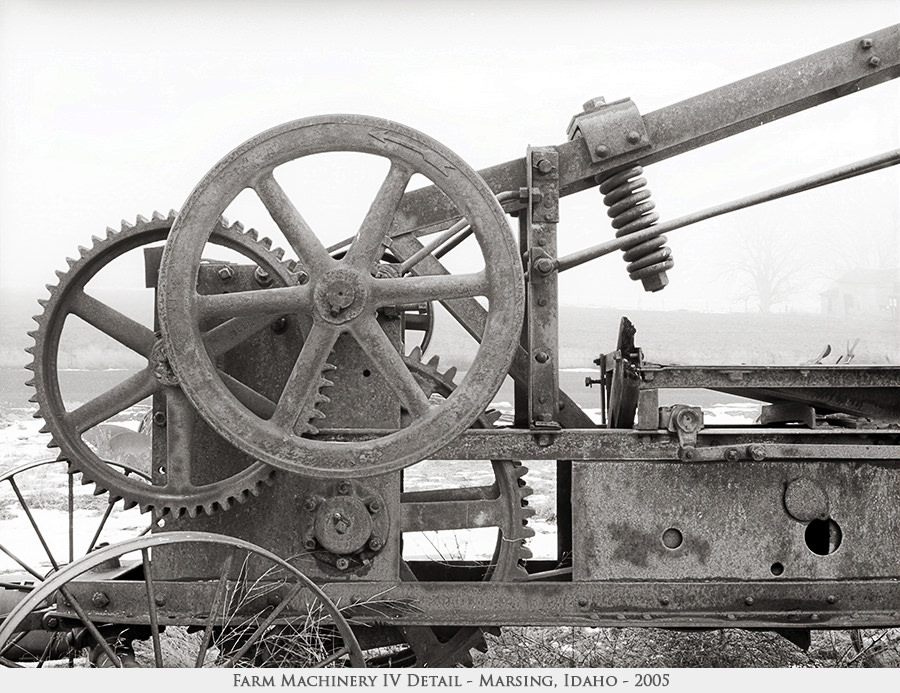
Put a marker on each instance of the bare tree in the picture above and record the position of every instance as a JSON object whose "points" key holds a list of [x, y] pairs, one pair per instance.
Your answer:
{"points": [[770, 269]]}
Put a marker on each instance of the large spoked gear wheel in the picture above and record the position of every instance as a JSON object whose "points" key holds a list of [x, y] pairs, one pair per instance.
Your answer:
{"points": [[342, 296], [508, 495], [68, 298]]}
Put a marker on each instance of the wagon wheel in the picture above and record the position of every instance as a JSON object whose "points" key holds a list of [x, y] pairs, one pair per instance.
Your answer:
{"points": [[71, 427], [241, 602], [39, 502], [340, 296], [28, 485]]}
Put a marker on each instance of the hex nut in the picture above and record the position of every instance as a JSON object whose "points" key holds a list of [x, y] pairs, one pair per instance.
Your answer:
{"points": [[226, 274], [342, 563]]}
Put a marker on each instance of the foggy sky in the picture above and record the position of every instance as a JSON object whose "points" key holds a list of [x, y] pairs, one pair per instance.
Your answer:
{"points": [[113, 110]]}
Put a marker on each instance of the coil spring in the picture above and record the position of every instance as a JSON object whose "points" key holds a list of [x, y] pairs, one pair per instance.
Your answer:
{"points": [[631, 210]]}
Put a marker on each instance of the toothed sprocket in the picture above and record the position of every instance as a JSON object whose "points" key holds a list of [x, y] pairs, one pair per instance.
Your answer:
{"points": [[67, 427], [448, 646]]}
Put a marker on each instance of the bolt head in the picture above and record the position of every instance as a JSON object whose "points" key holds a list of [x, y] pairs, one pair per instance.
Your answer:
{"points": [[160, 600], [874, 61], [226, 274], [757, 452], [732, 455], [374, 506], [302, 277], [263, 278], [159, 418], [99, 600], [544, 265], [866, 44], [376, 543], [310, 544], [344, 488], [594, 104], [310, 504], [342, 563], [544, 166]]}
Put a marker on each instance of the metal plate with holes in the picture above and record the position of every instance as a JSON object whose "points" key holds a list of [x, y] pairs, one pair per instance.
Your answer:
{"points": [[736, 521]]}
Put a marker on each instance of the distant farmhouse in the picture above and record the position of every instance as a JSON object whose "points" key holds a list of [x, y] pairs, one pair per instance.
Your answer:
{"points": [[864, 292]]}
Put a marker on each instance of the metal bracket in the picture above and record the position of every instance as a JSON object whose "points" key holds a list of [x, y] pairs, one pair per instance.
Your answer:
{"points": [[609, 130], [684, 421]]}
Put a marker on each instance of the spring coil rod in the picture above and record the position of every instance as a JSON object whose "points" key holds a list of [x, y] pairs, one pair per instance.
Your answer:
{"points": [[631, 210]]}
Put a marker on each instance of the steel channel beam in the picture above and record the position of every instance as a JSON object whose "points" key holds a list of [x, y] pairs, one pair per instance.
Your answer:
{"points": [[694, 122], [750, 443], [735, 377], [674, 604]]}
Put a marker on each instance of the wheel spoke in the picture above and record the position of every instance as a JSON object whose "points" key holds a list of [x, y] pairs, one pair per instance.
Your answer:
{"points": [[218, 601], [231, 333], [111, 322], [92, 628], [115, 400], [273, 302], [387, 359], [151, 608], [413, 290], [34, 525], [366, 247], [103, 521], [294, 227], [258, 403], [303, 383], [22, 563]]}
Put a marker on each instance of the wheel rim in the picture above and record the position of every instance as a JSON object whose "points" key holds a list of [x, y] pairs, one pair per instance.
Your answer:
{"points": [[340, 297]]}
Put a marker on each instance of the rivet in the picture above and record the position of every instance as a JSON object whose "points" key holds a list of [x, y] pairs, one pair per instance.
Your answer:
{"points": [[542, 357], [732, 455], [602, 151], [582, 602], [749, 601], [664, 600], [160, 600], [831, 599], [159, 418], [344, 488], [633, 137]]}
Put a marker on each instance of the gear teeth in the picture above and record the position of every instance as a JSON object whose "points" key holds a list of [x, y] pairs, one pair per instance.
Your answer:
{"points": [[223, 220], [29, 383], [238, 226], [492, 416], [451, 373], [157, 216], [96, 239], [312, 430], [60, 274], [49, 288], [30, 366], [316, 414], [279, 253], [253, 233], [110, 232], [266, 243], [172, 214], [82, 251], [141, 220], [44, 429], [192, 512], [434, 361], [416, 354], [71, 262], [126, 504], [126, 226]]}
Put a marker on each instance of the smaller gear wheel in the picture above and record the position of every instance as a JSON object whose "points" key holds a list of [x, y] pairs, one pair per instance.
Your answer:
{"points": [[71, 429], [438, 646]]}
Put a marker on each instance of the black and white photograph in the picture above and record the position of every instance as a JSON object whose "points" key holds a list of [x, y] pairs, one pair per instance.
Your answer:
{"points": [[558, 343]]}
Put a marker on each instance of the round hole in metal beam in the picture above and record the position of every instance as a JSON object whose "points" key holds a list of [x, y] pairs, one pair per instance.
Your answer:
{"points": [[777, 568], [823, 537], [672, 538]]}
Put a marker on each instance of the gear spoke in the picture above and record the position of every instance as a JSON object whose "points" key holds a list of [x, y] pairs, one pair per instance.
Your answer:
{"points": [[303, 383], [379, 348], [294, 227], [366, 247], [259, 404], [271, 302], [421, 289], [420, 516], [231, 333], [114, 401], [111, 322]]}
